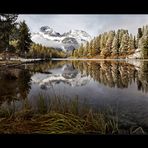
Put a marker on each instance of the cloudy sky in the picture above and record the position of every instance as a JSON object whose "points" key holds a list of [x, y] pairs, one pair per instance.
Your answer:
{"points": [[92, 24]]}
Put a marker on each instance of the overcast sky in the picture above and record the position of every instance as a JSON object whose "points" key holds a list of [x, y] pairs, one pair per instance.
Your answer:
{"points": [[92, 24]]}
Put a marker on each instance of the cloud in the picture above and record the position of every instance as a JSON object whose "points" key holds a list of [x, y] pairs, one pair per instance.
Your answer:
{"points": [[93, 24]]}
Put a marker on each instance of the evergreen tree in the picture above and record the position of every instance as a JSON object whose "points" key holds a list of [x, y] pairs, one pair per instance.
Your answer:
{"points": [[135, 46], [131, 45], [143, 43], [124, 44], [81, 50], [86, 50], [103, 40], [24, 40], [117, 37], [76, 53], [115, 48], [14, 33], [90, 48], [98, 44], [120, 33], [139, 35], [109, 43], [94, 48], [144, 46], [7, 23], [103, 44]]}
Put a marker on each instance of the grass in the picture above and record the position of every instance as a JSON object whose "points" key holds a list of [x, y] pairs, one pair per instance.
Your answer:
{"points": [[58, 116]]}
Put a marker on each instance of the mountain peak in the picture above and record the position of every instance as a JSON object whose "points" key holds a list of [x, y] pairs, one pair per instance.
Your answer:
{"points": [[46, 29], [69, 40], [82, 35]]}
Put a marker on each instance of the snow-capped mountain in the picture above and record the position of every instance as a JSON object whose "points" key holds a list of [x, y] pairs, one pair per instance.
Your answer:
{"points": [[66, 41]]}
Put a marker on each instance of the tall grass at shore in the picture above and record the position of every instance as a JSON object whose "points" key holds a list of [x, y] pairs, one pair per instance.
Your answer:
{"points": [[58, 116]]}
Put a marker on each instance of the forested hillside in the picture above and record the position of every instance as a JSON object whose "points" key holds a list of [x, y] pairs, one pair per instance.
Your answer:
{"points": [[115, 44]]}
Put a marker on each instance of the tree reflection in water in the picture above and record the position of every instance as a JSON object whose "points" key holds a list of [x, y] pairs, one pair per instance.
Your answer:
{"points": [[115, 73], [15, 84]]}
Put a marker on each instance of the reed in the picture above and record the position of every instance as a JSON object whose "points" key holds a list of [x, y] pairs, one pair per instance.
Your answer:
{"points": [[59, 116]]}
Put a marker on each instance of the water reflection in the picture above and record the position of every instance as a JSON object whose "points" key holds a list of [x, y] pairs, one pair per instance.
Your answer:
{"points": [[15, 84], [67, 75], [117, 84], [24, 83], [115, 74], [69, 71]]}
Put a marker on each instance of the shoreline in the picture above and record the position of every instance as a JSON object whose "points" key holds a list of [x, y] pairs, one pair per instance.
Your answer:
{"points": [[99, 59], [20, 61]]}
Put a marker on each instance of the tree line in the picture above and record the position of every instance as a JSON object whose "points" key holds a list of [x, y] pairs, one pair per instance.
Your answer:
{"points": [[114, 44]]}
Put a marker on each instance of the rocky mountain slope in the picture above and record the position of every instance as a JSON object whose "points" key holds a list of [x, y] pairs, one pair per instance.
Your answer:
{"points": [[66, 41]]}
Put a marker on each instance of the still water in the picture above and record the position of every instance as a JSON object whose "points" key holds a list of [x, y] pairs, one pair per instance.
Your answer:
{"points": [[117, 85]]}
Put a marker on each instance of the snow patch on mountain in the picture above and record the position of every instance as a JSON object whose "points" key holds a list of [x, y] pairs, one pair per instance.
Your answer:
{"points": [[42, 39]]}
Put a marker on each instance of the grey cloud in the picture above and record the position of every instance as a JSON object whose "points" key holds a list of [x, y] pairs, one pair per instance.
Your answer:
{"points": [[93, 24]]}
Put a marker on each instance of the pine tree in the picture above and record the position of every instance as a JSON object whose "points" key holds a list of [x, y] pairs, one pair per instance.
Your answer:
{"points": [[117, 36], [72, 53], [90, 48], [115, 48], [139, 35], [131, 45], [7, 23], [135, 46], [124, 44], [143, 43], [103, 44], [109, 43], [14, 33], [94, 47], [76, 53], [81, 50], [24, 40], [120, 33], [98, 39], [86, 50]]}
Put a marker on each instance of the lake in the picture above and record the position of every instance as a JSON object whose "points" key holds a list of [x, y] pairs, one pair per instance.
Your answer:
{"points": [[116, 85]]}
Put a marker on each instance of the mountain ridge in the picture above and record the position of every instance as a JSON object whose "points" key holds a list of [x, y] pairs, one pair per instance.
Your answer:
{"points": [[67, 41]]}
